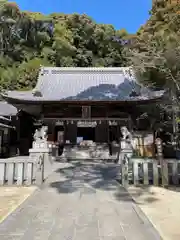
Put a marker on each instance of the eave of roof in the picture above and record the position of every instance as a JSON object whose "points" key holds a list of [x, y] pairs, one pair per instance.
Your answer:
{"points": [[7, 109], [6, 126], [37, 101]]}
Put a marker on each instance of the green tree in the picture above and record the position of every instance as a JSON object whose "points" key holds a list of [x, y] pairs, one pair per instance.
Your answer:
{"points": [[29, 39], [154, 52], [155, 56]]}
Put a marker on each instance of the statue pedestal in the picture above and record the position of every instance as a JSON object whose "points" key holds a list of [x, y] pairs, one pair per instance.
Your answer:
{"points": [[40, 144], [41, 155], [33, 151]]}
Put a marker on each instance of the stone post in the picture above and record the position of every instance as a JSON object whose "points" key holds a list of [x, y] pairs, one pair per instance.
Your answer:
{"points": [[42, 163], [126, 156], [41, 154], [162, 162]]}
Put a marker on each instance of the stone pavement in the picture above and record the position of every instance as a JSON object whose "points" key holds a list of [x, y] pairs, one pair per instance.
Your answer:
{"points": [[79, 201], [11, 198], [162, 207]]}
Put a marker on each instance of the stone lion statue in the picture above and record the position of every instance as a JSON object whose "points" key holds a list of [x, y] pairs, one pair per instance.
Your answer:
{"points": [[127, 138], [41, 134], [44, 134], [37, 135]]}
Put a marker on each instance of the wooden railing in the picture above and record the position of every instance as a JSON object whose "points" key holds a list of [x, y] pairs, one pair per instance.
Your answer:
{"points": [[149, 171], [16, 171]]}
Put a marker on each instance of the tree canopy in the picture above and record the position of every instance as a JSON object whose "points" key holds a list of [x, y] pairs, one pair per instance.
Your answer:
{"points": [[29, 39], [155, 50]]}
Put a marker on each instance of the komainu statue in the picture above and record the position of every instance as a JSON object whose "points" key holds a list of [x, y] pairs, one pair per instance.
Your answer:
{"points": [[41, 134], [44, 134], [37, 135], [126, 139]]}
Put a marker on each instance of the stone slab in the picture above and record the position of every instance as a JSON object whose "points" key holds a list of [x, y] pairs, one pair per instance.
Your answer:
{"points": [[11, 198], [161, 206]]}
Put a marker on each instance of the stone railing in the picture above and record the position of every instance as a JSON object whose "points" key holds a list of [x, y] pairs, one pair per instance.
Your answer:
{"points": [[22, 171], [149, 171]]}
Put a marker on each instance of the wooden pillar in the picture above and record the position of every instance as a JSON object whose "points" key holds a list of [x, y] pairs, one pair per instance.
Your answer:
{"points": [[108, 133], [5, 141], [1, 142]]}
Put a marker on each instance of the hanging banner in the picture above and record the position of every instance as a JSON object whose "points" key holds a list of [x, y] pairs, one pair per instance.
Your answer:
{"points": [[59, 123], [113, 123], [86, 124]]}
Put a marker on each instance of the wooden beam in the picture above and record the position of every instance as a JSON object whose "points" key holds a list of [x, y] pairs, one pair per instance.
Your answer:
{"points": [[86, 119]]}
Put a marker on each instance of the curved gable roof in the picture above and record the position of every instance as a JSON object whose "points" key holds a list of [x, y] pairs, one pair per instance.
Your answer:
{"points": [[80, 84]]}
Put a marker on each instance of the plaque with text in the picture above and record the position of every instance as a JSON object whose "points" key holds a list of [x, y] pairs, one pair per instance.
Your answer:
{"points": [[86, 111]]}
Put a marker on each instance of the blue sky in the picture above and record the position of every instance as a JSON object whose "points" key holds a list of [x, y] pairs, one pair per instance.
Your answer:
{"points": [[128, 14]]}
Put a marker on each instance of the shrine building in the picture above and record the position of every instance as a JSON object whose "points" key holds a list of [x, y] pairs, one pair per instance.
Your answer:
{"points": [[80, 104]]}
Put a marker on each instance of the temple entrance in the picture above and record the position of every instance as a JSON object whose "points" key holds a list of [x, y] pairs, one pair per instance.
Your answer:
{"points": [[114, 133], [86, 133], [59, 134]]}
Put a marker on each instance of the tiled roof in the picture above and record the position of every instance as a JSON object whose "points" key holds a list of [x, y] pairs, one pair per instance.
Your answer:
{"points": [[58, 84], [7, 109]]}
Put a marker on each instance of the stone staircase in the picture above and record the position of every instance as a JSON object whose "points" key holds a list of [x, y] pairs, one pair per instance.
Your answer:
{"points": [[94, 152]]}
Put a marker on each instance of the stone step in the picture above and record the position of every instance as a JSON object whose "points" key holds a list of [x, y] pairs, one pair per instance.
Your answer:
{"points": [[86, 152]]}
